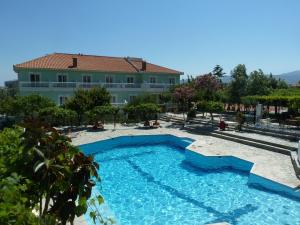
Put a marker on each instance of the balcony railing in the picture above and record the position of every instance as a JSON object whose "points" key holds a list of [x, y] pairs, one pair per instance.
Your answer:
{"points": [[91, 85]]}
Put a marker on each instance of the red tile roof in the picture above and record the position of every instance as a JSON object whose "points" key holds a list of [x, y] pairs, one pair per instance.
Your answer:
{"points": [[62, 61]]}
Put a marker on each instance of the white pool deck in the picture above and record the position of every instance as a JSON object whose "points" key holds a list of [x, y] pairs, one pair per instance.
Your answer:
{"points": [[271, 165]]}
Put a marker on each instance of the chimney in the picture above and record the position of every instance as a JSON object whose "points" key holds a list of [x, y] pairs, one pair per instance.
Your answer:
{"points": [[74, 63], [144, 65]]}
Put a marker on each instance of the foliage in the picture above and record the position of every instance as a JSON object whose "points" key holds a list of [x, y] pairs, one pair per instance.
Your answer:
{"points": [[210, 106], [218, 71], [144, 98], [165, 97], [27, 106], [85, 100], [143, 111], [13, 204], [47, 168], [277, 83], [101, 113], [238, 86], [58, 116], [240, 119], [183, 95], [275, 100], [286, 92], [258, 83], [206, 86]]}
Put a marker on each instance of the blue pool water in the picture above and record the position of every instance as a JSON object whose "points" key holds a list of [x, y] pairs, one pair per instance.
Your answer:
{"points": [[152, 184]]}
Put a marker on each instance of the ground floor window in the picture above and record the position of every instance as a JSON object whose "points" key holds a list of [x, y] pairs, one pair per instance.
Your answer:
{"points": [[131, 98], [62, 100], [113, 99]]}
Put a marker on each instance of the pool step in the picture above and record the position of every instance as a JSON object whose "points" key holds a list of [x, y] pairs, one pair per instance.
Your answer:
{"points": [[257, 140], [253, 142], [266, 132], [239, 139], [295, 162], [278, 134]]}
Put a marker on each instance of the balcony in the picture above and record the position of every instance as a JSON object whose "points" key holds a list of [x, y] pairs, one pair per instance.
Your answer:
{"points": [[74, 85]]}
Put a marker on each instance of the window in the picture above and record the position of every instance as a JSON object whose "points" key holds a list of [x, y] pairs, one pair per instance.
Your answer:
{"points": [[109, 79], [62, 99], [113, 99], [131, 98], [130, 80], [172, 80], [152, 80], [62, 78], [86, 79], [34, 77]]}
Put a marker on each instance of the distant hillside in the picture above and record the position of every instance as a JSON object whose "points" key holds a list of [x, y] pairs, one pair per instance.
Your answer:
{"points": [[290, 78]]}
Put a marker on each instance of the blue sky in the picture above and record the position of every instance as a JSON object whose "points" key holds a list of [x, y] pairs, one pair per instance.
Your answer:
{"points": [[189, 35]]}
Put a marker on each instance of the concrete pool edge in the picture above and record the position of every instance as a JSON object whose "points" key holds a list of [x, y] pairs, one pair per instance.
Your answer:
{"points": [[229, 161], [182, 142]]}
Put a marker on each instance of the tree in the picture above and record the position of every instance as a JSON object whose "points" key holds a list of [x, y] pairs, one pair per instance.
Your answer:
{"points": [[206, 86], [240, 119], [183, 96], [238, 86], [143, 111], [85, 100], [258, 83], [211, 107], [165, 97], [101, 113], [144, 98], [26, 107], [277, 83], [58, 116], [218, 71], [281, 84], [98, 96]]}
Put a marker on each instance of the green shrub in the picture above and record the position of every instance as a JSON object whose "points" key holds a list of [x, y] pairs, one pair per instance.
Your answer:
{"points": [[39, 166]]}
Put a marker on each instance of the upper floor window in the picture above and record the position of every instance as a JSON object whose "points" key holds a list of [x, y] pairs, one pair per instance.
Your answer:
{"points": [[34, 77], [130, 80], [62, 100], [86, 79], [152, 80], [109, 79], [172, 80], [62, 78]]}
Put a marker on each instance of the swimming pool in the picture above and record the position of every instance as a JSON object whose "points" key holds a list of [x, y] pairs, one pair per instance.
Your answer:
{"points": [[146, 180]]}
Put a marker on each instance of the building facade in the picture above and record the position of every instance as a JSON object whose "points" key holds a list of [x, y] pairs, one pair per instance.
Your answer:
{"points": [[57, 76]]}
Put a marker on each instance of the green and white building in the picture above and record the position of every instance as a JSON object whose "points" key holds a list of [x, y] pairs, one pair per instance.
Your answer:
{"points": [[57, 76]]}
